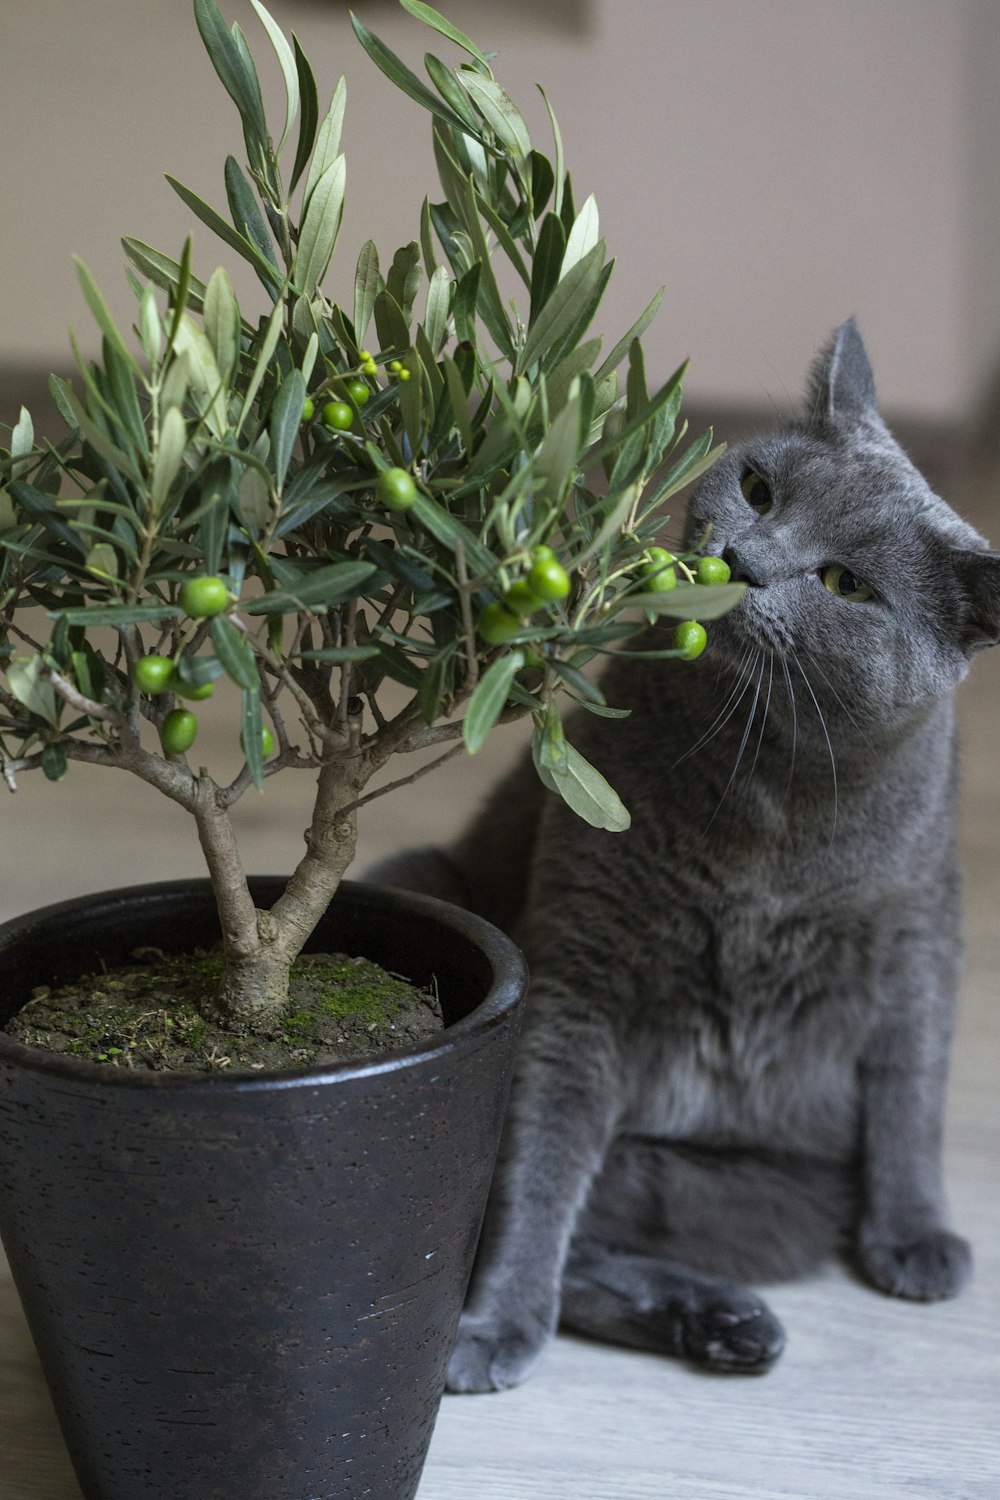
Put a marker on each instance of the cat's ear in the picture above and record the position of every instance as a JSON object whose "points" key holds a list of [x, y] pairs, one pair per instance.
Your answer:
{"points": [[978, 575], [842, 386]]}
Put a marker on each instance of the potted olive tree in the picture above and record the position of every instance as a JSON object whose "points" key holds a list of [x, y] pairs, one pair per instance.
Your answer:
{"points": [[393, 524]]}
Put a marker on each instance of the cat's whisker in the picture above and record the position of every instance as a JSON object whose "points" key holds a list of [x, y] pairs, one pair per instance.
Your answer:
{"points": [[847, 712], [795, 727], [763, 721], [829, 744], [735, 698], [742, 747]]}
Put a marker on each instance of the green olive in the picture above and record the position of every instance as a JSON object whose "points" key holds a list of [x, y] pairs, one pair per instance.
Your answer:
{"points": [[690, 639], [203, 597], [178, 731], [152, 674]]}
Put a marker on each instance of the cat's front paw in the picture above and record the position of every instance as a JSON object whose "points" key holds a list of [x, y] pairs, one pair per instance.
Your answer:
{"points": [[925, 1269], [492, 1354]]}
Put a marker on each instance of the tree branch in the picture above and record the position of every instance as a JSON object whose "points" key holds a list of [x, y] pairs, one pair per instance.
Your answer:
{"points": [[391, 786]]}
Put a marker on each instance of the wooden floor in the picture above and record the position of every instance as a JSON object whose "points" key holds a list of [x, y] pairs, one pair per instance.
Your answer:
{"points": [[873, 1398]]}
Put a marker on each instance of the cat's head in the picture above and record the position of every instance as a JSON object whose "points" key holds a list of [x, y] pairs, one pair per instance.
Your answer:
{"points": [[854, 567]]}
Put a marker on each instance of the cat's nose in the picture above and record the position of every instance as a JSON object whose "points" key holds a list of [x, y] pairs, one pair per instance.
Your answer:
{"points": [[740, 567]]}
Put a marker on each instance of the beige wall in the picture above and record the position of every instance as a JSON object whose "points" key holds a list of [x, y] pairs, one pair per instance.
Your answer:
{"points": [[806, 159]]}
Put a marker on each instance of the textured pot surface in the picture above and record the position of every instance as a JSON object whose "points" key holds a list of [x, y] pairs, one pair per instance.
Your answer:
{"points": [[250, 1285]]}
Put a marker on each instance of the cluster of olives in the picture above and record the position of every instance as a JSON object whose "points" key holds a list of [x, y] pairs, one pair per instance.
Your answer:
{"points": [[200, 598], [395, 488], [546, 582], [658, 574]]}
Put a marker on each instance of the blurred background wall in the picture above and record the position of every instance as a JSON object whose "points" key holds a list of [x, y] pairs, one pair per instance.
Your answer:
{"points": [[779, 164]]}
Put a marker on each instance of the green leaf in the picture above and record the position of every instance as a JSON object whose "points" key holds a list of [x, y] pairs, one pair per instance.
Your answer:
{"points": [[636, 331], [452, 93], [438, 309], [500, 113], [235, 654], [162, 271], [289, 71], [271, 340], [239, 81], [583, 789], [310, 113], [27, 681], [459, 402], [317, 591], [558, 456], [222, 322], [54, 762], [561, 311], [338, 654], [542, 182], [403, 77], [250, 222], [692, 464], [489, 699], [367, 284], [644, 415], [404, 278], [435, 19], [286, 419], [327, 142], [551, 739], [690, 601], [557, 171], [319, 232], [583, 236], [447, 530], [117, 614], [225, 231], [99, 308], [168, 457]]}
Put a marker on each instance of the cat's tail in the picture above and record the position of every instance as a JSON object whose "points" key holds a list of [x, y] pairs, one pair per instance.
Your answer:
{"points": [[487, 870]]}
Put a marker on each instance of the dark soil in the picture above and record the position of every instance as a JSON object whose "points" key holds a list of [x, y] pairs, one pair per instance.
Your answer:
{"points": [[147, 1016]]}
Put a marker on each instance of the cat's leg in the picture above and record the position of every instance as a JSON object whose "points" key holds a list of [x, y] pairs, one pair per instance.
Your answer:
{"points": [[904, 1245], [668, 1308], [562, 1115]]}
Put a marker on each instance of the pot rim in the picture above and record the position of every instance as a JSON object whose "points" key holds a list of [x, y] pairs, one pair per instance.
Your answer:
{"points": [[505, 993]]}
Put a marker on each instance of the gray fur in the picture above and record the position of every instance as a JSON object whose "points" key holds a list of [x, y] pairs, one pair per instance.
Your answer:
{"points": [[741, 1009]]}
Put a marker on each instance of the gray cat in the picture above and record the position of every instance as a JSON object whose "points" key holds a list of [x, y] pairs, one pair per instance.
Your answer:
{"points": [[741, 1009]]}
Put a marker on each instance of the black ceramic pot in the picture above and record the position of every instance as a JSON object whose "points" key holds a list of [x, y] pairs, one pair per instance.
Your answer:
{"points": [[249, 1286]]}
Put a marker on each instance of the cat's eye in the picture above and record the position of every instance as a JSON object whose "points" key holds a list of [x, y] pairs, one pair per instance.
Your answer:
{"points": [[844, 583], [756, 492]]}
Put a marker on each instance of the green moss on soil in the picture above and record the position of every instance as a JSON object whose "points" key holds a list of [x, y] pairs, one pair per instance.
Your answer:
{"points": [[148, 1015]]}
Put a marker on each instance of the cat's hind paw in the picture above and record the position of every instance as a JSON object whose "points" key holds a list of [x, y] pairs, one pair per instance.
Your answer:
{"points": [[491, 1356], [927, 1269]]}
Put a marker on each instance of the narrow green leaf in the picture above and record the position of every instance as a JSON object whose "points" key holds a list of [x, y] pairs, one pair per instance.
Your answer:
{"points": [[310, 113], [318, 590], [504, 236], [645, 414], [561, 311], [233, 650], [168, 457], [557, 170], [636, 331], [500, 113], [238, 80], [438, 309], [117, 614], [367, 285], [327, 142], [690, 601], [289, 71], [447, 530], [542, 182], [286, 419], [558, 456], [319, 232], [272, 337], [225, 231], [452, 93], [99, 308], [547, 263], [403, 77], [584, 789], [222, 322], [54, 762], [162, 271], [459, 402], [489, 699], [435, 19], [583, 236], [249, 221]]}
